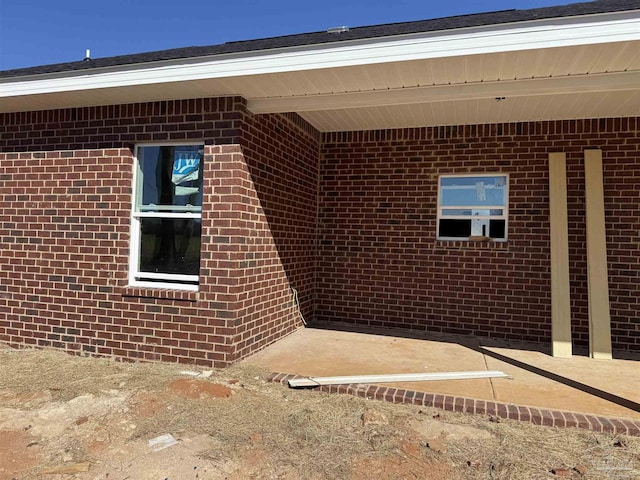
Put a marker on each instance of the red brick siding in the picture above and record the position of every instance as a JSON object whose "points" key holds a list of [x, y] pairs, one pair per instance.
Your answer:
{"points": [[379, 262], [622, 211], [65, 240], [282, 154], [66, 196], [64, 266], [244, 249], [122, 126]]}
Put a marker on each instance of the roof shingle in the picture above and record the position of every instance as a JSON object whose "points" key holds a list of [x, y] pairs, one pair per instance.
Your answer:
{"points": [[358, 33]]}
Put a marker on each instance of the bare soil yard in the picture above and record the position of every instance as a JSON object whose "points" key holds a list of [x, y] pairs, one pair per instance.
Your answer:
{"points": [[93, 418]]}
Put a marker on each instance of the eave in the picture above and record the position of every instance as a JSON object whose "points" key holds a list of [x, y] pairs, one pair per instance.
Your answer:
{"points": [[407, 80]]}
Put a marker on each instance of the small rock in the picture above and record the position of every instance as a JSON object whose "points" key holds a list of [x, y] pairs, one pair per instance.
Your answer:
{"points": [[437, 446], [474, 463], [233, 382], [581, 469], [373, 417], [494, 419], [81, 420], [561, 472], [620, 443]]}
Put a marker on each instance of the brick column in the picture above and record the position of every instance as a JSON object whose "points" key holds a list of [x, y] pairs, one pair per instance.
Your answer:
{"points": [[241, 270]]}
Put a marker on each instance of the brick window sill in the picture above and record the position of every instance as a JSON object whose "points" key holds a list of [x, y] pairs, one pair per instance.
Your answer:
{"points": [[470, 245], [160, 293]]}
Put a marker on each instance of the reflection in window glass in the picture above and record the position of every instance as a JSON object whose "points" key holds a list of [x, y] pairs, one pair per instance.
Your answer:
{"points": [[170, 245], [472, 206], [170, 176], [167, 218], [472, 191]]}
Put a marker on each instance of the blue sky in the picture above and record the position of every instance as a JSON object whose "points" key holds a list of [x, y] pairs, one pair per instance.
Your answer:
{"points": [[39, 32]]}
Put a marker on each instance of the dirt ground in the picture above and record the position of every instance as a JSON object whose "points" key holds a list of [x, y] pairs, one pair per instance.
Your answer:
{"points": [[93, 418]]}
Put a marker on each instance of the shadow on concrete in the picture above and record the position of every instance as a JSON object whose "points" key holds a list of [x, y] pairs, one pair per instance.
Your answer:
{"points": [[596, 392], [480, 344]]}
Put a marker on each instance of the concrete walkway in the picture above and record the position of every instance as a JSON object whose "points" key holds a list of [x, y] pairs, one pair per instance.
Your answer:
{"points": [[609, 388]]}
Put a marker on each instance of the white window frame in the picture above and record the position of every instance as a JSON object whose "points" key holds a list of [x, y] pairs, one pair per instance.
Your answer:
{"points": [[136, 277], [504, 208]]}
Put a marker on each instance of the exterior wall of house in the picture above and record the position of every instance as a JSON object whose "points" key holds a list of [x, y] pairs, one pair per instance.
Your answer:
{"points": [[380, 264], [282, 153], [348, 219], [66, 204]]}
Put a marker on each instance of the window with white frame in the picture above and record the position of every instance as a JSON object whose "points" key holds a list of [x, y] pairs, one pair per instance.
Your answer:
{"points": [[166, 224], [473, 206]]}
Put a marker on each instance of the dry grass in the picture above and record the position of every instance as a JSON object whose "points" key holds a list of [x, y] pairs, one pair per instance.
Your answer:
{"points": [[312, 435]]}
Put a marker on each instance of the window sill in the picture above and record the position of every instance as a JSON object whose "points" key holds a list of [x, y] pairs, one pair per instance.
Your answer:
{"points": [[160, 293], [464, 244]]}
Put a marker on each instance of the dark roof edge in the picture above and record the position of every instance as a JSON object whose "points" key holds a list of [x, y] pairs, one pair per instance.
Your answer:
{"points": [[318, 38]]}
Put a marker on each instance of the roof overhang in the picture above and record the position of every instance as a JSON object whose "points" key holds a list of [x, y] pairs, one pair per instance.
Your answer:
{"points": [[560, 68]]}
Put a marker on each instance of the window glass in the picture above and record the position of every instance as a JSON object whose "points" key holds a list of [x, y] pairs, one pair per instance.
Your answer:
{"points": [[472, 191], [470, 206], [171, 176], [166, 227], [170, 245], [455, 228]]}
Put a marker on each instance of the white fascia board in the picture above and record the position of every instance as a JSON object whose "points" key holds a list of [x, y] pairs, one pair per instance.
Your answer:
{"points": [[550, 33]]}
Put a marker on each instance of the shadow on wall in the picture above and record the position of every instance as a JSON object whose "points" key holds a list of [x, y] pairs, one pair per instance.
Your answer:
{"points": [[282, 154]]}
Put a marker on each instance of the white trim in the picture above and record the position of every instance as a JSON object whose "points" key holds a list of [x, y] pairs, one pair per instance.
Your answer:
{"points": [[393, 378], [136, 277], [167, 215], [504, 208], [548, 33], [169, 276], [167, 208], [163, 285]]}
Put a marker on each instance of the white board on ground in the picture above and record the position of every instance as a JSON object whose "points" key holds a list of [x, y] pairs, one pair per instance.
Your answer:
{"points": [[399, 377]]}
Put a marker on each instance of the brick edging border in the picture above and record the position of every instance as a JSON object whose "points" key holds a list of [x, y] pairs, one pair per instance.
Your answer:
{"points": [[534, 415]]}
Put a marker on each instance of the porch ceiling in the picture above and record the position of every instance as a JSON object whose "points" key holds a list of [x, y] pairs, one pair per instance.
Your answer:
{"points": [[588, 81], [580, 81]]}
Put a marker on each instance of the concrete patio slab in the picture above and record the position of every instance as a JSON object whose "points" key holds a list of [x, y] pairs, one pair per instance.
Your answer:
{"points": [[603, 387], [579, 384]]}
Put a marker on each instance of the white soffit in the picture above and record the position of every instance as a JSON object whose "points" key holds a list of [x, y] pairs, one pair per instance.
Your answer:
{"points": [[479, 111]]}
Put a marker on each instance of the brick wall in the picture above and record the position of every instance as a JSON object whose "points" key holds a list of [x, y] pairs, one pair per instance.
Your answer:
{"points": [[622, 211], [355, 234], [282, 154], [66, 202], [216, 120], [381, 266], [245, 277]]}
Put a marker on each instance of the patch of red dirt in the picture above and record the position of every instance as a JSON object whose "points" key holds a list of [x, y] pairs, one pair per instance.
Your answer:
{"points": [[410, 446], [396, 468], [99, 441], [20, 399], [191, 388], [148, 404], [15, 457]]}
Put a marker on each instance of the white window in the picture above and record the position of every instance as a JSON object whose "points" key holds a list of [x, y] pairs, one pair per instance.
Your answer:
{"points": [[166, 224], [473, 207]]}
